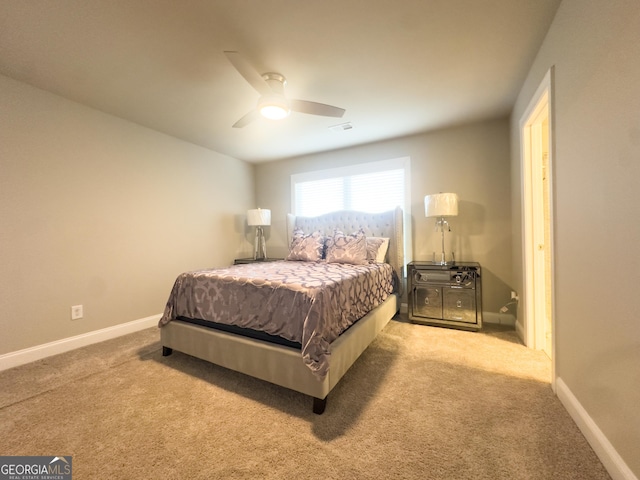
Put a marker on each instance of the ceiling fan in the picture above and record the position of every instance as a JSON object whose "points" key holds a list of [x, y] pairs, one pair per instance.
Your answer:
{"points": [[272, 103]]}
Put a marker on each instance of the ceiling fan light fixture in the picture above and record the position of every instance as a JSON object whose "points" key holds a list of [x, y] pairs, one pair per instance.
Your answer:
{"points": [[274, 112], [274, 107]]}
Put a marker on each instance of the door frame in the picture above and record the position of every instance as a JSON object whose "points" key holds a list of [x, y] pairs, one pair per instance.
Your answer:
{"points": [[533, 219]]}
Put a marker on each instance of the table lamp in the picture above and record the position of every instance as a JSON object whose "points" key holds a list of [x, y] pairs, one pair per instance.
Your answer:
{"points": [[259, 218], [441, 206]]}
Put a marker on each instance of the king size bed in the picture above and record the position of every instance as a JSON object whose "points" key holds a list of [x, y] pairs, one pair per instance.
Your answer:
{"points": [[302, 322]]}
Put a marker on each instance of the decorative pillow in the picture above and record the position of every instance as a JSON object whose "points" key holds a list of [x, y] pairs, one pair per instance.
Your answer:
{"points": [[306, 248], [377, 249], [343, 248]]}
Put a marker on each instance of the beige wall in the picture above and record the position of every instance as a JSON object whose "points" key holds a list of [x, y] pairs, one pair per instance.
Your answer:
{"points": [[101, 212], [472, 161], [594, 46]]}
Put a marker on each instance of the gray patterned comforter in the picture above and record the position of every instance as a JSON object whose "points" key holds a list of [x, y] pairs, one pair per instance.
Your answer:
{"points": [[305, 302]]}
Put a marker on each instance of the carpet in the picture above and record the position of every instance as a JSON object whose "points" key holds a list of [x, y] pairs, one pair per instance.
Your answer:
{"points": [[421, 403]]}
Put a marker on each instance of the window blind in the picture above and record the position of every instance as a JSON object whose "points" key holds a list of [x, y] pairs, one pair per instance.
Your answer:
{"points": [[367, 192]]}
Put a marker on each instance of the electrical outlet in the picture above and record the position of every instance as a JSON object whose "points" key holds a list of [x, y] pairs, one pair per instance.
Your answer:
{"points": [[76, 312]]}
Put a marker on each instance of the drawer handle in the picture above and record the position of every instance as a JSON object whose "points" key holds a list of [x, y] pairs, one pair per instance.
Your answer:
{"points": [[459, 303], [426, 301]]}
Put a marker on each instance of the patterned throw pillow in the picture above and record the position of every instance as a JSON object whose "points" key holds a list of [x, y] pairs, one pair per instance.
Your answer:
{"points": [[377, 249], [306, 248], [343, 248]]}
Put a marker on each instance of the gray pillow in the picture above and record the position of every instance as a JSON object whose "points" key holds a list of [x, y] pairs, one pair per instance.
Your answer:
{"points": [[306, 248], [351, 249], [377, 249]]}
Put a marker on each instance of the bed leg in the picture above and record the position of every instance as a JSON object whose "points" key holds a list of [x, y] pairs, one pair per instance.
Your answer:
{"points": [[166, 351], [319, 404]]}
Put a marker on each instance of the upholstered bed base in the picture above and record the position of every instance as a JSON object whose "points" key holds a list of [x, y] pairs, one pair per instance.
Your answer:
{"points": [[275, 363]]}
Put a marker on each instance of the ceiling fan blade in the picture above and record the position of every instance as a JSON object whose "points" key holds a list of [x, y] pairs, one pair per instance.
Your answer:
{"points": [[247, 119], [249, 73], [304, 106]]}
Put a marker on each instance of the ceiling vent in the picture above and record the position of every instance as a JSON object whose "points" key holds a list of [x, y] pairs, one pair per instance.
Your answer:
{"points": [[342, 127]]}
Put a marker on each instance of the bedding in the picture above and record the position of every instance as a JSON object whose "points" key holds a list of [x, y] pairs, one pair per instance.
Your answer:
{"points": [[306, 302], [306, 248], [343, 248], [377, 249]]}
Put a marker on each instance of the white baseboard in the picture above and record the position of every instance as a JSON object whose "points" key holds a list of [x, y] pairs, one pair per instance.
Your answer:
{"points": [[498, 318], [608, 455], [14, 359], [487, 317]]}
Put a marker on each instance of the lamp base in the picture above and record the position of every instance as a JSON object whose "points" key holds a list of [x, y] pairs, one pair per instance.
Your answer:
{"points": [[443, 259], [442, 224], [260, 248]]}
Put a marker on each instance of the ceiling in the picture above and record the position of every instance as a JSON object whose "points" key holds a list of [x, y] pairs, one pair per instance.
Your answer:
{"points": [[398, 67]]}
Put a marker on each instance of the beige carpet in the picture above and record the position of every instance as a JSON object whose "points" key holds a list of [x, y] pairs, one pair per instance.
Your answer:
{"points": [[421, 403]]}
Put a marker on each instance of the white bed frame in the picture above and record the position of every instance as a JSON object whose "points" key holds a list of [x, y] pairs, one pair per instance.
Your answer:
{"points": [[283, 365]]}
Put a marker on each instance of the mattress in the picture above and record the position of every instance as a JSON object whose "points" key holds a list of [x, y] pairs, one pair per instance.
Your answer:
{"points": [[245, 332]]}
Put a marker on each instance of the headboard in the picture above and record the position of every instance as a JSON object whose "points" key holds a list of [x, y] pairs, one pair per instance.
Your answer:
{"points": [[386, 224]]}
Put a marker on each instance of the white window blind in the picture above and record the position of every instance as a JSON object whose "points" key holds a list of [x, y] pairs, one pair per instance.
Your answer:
{"points": [[375, 192], [366, 192], [316, 197]]}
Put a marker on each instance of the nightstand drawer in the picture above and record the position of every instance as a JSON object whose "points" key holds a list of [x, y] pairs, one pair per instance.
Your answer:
{"points": [[459, 304], [427, 302]]}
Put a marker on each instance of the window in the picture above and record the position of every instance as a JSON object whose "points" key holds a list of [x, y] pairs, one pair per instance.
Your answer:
{"points": [[366, 192], [366, 187], [369, 187]]}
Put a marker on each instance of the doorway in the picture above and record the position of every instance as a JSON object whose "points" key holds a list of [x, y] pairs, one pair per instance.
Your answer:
{"points": [[536, 139]]}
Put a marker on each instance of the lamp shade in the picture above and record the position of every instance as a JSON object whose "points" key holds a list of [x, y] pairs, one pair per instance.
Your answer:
{"points": [[441, 205], [260, 217]]}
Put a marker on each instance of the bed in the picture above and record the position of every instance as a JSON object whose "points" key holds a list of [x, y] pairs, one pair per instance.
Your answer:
{"points": [[305, 362]]}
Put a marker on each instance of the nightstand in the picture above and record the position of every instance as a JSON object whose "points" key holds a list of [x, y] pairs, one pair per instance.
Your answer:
{"points": [[445, 295], [240, 261]]}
